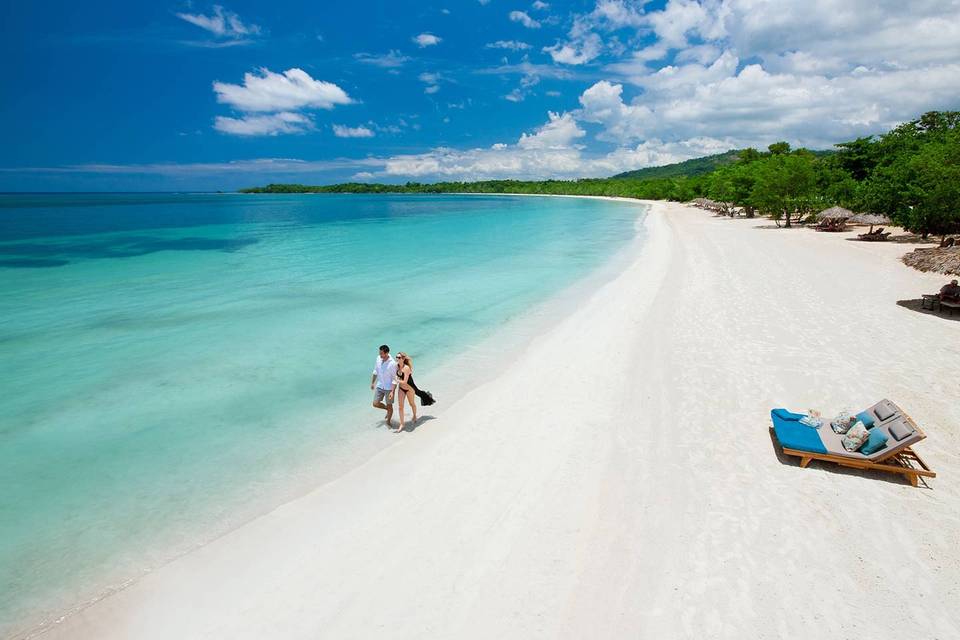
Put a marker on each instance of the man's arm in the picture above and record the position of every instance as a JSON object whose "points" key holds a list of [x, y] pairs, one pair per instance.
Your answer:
{"points": [[393, 380]]}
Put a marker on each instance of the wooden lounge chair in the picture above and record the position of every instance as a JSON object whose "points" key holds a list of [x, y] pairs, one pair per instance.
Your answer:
{"points": [[897, 456], [876, 235]]}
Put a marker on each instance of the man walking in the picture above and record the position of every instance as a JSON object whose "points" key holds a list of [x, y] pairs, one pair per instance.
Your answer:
{"points": [[384, 382]]}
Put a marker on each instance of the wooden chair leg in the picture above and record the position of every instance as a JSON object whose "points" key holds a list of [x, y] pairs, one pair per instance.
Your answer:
{"points": [[914, 479], [804, 461]]}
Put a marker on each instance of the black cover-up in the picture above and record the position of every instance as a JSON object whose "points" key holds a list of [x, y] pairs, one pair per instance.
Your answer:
{"points": [[426, 398]]}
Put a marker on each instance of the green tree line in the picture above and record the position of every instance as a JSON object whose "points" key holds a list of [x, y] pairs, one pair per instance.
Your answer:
{"points": [[911, 174]]}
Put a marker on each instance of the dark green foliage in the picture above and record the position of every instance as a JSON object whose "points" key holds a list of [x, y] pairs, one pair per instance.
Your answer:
{"points": [[916, 174], [661, 189], [689, 168]]}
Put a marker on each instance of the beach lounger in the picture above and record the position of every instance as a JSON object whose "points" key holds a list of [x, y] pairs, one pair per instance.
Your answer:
{"points": [[897, 456], [875, 236]]}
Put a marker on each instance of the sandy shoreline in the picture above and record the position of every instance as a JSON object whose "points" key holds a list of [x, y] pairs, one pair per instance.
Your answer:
{"points": [[617, 478]]}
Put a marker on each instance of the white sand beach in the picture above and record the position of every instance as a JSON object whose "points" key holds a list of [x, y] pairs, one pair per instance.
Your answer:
{"points": [[618, 478]]}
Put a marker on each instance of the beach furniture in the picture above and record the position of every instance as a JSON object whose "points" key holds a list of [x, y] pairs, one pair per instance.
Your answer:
{"points": [[895, 456], [833, 219], [875, 236], [950, 305]]}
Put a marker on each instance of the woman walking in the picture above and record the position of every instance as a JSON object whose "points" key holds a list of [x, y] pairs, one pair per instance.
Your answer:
{"points": [[404, 388]]}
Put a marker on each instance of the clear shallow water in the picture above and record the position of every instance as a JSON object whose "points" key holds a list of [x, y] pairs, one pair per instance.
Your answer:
{"points": [[167, 362]]}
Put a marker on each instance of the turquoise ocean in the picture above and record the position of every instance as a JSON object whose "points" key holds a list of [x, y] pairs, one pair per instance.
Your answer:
{"points": [[174, 364]]}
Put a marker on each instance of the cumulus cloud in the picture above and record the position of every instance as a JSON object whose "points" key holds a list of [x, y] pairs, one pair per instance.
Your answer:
{"points": [[264, 125], [389, 60], [558, 133], [342, 131], [584, 43], [512, 45], [524, 18], [221, 23], [813, 73], [549, 152], [268, 91], [426, 40], [579, 51], [540, 6], [270, 102]]}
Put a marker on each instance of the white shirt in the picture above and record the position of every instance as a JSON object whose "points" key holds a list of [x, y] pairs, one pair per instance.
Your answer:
{"points": [[386, 372]]}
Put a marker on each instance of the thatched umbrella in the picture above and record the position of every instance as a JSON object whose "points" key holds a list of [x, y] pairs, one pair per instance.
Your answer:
{"points": [[833, 219], [835, 213], [870, 219]]}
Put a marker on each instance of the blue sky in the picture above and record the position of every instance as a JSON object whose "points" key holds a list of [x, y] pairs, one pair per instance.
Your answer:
{"points": [[193, 95]]}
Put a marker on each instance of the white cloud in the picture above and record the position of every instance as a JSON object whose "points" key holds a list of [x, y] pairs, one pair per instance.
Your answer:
{"points": [[617, 14], [389, 60], [579, 51], [811, 72], [264, 125], [524, 18], [602, 103], [520, 93], [432, 80], [426, 40], [540, 6], [584, 44], [342, 131], [291, 90], [558, 133], [544, 161], [512, 45], [528, 68], [221, 23]]}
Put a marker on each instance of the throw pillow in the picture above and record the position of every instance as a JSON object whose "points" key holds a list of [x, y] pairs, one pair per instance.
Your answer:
{"points": [[842, 423], [884, 411], [866, 418], [899, 430], [855, 437], [876, 441]]}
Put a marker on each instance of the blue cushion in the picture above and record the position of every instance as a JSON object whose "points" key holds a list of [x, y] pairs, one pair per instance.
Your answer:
{"points": [[876, 442], [866, 418], [788, 415], [793, 435]]}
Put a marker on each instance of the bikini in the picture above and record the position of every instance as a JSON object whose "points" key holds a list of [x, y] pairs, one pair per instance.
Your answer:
{"points": [[402, 377]]}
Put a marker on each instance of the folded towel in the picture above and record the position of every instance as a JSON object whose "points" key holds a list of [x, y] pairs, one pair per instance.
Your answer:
{"points": [[788, 415]]}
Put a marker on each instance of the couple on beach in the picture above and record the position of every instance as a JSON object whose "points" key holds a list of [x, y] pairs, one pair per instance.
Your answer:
{"points": [[391, 377]]}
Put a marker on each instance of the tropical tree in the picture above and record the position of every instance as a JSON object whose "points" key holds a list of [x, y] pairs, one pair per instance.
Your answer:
{"points": [[785, 186]]}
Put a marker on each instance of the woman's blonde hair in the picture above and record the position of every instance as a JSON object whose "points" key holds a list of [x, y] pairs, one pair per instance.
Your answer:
{"points": [[407, 360]]}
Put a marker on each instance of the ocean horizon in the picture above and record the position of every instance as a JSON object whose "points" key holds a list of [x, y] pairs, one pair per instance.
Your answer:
{"points": [[175, 364]]}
